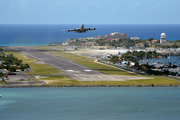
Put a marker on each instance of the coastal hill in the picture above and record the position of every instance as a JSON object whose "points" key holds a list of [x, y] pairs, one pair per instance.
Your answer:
{"points": [[120, 40]]}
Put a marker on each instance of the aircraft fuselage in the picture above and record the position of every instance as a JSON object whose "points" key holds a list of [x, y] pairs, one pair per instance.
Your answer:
{"points": [[81, 29]]}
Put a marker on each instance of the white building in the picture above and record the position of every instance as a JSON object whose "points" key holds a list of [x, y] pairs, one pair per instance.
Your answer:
{"points": [[65, 43], [134, 38], [163, 38]]}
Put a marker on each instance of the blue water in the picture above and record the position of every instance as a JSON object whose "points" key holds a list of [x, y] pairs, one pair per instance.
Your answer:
{"points": [[173, 59], [13, 35], [90, 103]]}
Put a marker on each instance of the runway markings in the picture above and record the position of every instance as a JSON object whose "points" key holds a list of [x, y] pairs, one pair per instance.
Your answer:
{"points": [[87, 70], [70, 70], [86, 77]]}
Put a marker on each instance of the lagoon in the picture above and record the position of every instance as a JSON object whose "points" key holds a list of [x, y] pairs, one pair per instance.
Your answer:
{"points": [[173, 59], [90, 103]]}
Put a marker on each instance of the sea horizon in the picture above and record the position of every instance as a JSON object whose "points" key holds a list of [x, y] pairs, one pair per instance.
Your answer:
{"points": [[89, 24], [43, 34]]}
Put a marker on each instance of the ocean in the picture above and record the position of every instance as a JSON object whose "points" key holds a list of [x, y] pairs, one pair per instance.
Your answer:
{"points": [[96, 103], [32, 35], [90, 103]]}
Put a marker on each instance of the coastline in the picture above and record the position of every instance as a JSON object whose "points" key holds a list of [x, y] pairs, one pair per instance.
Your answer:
{"points": [[64, 82], [35, 86]]}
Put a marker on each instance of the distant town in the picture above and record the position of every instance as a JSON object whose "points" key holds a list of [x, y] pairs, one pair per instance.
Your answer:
{"points": [[138, 52], [147, 57], [117, 39]]}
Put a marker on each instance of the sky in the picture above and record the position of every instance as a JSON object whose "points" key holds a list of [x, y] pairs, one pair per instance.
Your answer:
{"points": [[89, 11]]}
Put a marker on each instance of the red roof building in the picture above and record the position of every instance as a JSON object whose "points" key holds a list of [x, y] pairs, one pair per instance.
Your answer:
{"points": [[163, 53], [154, 41]]}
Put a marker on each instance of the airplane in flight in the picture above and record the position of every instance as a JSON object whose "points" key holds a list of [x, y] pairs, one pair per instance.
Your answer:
{"points": [[81, 29]]}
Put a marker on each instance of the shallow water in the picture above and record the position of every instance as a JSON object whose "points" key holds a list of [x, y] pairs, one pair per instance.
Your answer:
{"points": [[90, 103]]}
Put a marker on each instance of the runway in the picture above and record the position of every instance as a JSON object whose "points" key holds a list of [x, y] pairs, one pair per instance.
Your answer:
{"points": [[73, 70]]}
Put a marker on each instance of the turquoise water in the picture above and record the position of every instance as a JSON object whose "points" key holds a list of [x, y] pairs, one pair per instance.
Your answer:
{"points": [[96, 103]]}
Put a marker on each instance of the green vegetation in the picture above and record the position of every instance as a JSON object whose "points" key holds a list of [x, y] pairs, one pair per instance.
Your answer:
{"points": [[42, 69], [108, 70], [105, 42], [133, 56], [47, 71], [62, 80], [55, 43], [173, 45], [58, 80], [43, 47], [120, 43], [91, 64], [2, 82], [37, 69], [1, 74], [12, 63], [54, 77], [125, 42]]}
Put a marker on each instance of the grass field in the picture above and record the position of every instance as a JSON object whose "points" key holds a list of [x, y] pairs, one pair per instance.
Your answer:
{"points": [[43, 47], [91, 64], [50, 47], [46, 70], [62, 80], [110, 70], [37, 69]]}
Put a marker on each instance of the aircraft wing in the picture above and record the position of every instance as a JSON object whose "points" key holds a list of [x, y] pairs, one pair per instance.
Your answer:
{"points": [[70, 30], [90, 29]]}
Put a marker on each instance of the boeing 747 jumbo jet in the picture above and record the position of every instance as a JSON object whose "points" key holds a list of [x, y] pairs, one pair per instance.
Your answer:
{"points": [[81, 29]]}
